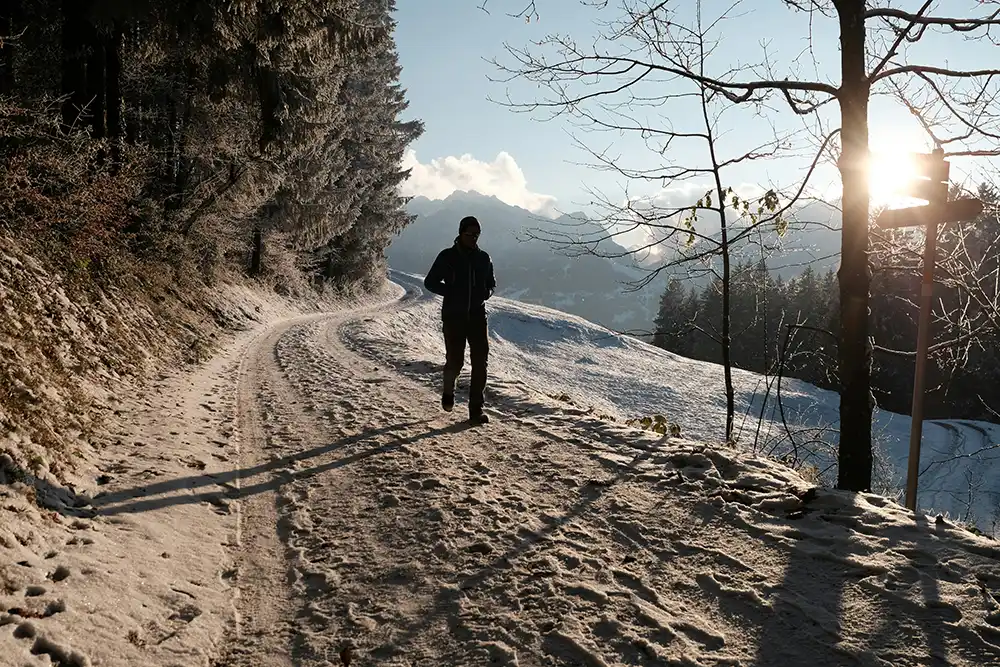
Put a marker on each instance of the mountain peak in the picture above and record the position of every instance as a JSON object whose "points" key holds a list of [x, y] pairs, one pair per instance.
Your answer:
{"points": [[467, 195], [576, 215]]}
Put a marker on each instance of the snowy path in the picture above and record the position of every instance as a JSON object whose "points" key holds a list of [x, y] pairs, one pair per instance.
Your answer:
{"points": [[377, 522], [305, 482]]}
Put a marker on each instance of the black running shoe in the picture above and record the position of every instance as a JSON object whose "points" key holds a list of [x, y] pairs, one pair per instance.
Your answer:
{"points": [[447, 402], [479, 418]]}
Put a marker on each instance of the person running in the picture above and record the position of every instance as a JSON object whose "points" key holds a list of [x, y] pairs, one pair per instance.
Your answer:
{"points": [[463, 275]]}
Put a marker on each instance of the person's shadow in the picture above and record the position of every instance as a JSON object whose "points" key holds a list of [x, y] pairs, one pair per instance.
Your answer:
{"points": [[178, 491]]}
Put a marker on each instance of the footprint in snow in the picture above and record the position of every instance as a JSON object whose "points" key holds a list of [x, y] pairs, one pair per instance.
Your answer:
{"points": [[389, 500], [185, 614], [946, 611], [34, 591], [903, 577], [57, 653]]}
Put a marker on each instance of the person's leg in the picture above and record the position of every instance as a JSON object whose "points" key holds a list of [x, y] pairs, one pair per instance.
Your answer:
{"points": [[454, 344], [479, 352]]}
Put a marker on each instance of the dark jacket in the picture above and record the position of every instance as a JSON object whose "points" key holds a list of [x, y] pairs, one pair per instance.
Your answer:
{"points": [[464, 278]]}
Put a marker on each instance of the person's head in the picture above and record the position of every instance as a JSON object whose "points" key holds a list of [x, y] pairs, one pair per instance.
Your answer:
{"points": [[468, 232]]}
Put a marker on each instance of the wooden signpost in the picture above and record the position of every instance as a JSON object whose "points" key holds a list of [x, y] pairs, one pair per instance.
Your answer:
{"points": [[931, 186]]}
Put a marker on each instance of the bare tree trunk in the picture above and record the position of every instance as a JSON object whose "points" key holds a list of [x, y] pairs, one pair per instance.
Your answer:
{"points": [[172, 150], [855, 450], [269, 93], [727, 362], [255, 255], [75, 31], [132, 131], [182, 127], [727, 340], [9, 15], [113, 74], [96, 84]]}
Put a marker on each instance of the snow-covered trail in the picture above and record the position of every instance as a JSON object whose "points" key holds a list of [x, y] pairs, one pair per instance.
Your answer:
{"points": [[388, 527], [375, 522]]}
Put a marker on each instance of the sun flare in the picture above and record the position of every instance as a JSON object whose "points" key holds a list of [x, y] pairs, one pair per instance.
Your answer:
{"points": [[892, 166], [888, 175]]}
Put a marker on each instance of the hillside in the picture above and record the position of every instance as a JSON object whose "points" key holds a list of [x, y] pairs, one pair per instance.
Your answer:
{"points": [[165, 182]]}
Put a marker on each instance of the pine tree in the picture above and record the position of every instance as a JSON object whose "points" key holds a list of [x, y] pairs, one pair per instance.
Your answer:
{"points": [[670, 325], [256, 123], [374, 143]]}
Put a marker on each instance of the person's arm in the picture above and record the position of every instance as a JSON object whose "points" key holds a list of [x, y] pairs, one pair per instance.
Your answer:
{"points": [[491, 281], [434, 281]]}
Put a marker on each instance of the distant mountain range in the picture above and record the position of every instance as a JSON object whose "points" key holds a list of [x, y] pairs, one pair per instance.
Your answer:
{"points": [[528, 269], [592, 287]]}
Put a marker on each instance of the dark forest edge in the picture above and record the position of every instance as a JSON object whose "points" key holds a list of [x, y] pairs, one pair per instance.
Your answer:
{"points": [[203, 136]]}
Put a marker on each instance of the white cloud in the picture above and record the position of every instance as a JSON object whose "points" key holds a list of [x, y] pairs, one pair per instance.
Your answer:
{"points": [[501, 178], [687, 194], [669, 202]]}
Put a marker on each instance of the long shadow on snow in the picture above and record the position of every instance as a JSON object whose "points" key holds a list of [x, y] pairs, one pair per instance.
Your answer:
{"points": [[807, 607], [940, 622], [183, 485], [445, 605], [804, 609]]}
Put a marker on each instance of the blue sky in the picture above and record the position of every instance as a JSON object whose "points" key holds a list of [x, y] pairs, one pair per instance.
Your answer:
{"points": [[445, 45]]}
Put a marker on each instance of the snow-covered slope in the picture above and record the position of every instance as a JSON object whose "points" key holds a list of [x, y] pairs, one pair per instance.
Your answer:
{"points": [[536, 348]]}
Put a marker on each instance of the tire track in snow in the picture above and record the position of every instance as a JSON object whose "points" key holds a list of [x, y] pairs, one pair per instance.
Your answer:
{"points": [[262, 599]]}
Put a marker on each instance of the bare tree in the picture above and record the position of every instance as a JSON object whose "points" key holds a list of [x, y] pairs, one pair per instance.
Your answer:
{"points": [[699, 236], [877, 55]]}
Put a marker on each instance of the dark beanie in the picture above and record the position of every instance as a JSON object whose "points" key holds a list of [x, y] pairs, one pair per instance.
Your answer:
{"points": [[468, 221]]}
